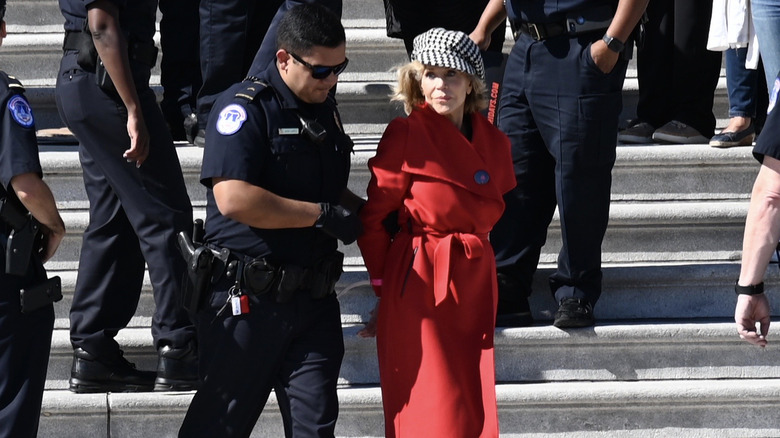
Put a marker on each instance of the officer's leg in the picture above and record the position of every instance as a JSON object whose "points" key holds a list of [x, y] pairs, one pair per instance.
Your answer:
{"points": [[579, 125], [655, 68], [180, 64], [521, 232], [158, 207], [267, 49], [240, 358], [306, 388], [230, 34], [25, 341], [110, 266]]}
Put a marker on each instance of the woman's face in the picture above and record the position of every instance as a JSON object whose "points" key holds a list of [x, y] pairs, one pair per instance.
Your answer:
{"points": [[445, 90]]}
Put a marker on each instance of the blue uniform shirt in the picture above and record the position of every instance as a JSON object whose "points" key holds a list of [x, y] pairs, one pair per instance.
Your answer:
{"points": [[260, 141], [548, 11], [18, 145]]}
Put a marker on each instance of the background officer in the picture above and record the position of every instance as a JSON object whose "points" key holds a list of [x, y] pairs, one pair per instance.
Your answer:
{"points": [[237, 36], [275, 165], [137, 198], [560, 106], [25, 338]]}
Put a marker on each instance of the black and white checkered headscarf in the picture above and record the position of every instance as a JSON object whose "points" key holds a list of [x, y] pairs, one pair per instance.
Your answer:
{"points": [[448, 48]]}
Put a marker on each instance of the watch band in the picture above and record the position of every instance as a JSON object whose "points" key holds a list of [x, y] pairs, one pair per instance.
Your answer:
{"points": [[614, 44], [749, 290]]}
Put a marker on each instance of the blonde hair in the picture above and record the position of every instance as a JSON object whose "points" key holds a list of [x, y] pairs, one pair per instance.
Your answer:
{"points": [[408, 90]]}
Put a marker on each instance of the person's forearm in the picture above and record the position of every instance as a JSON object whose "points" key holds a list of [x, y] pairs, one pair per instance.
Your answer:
{"points": [[260, 208], [112, 48], [761, 229], [38, 200], [626, 18], [492, 16]]}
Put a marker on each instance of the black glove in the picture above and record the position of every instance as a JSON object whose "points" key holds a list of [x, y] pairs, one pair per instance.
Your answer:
{"points": [[339, 222]]}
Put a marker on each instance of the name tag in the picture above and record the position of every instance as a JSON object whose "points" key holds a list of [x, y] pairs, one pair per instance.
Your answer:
{"points": [[289, 131]]}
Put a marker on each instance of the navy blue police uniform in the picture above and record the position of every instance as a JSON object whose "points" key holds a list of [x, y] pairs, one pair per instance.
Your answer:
{"points": [[238, 36], [560, 112], [292, 342], [25, 339], [135, 213], [768, 144]]}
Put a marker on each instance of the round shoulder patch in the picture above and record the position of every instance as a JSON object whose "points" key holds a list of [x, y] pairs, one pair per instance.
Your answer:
{"points": [[230, 119], [20, 111]]}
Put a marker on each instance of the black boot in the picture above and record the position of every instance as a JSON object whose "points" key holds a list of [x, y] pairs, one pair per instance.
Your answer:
{"points": [[107, 374], [513, 309], [177, 368]]}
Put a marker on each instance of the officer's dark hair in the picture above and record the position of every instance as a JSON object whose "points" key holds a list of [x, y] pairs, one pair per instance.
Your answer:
{"points": [[308, 25], [2, 10]]}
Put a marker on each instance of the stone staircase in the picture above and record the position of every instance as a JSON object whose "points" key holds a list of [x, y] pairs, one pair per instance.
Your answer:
{"points": [[663, 360]]}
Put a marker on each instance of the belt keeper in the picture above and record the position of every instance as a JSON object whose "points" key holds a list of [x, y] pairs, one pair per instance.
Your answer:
{"points": [[749, 290]]}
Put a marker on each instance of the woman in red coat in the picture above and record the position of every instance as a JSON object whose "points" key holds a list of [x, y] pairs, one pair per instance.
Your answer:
{"points": [[442, 171]]}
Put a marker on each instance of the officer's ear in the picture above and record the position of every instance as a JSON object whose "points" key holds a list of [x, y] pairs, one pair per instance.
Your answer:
{"points": [[283, 58]]}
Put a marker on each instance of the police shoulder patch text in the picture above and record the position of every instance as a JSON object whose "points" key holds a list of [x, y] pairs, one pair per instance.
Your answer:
{"points": [[20, 111], [230, 119]]}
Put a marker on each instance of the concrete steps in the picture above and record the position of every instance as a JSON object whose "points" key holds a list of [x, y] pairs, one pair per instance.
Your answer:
{"points": [[689, 408], [664, 359]]}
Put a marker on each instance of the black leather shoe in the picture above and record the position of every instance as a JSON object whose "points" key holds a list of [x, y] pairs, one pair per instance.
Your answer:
{"points": [[514, 312], [574, 313], [111, 374], [177, 368]]}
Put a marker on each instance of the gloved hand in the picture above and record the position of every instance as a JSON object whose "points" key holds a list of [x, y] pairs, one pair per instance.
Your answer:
{"points": [[339, 222]]}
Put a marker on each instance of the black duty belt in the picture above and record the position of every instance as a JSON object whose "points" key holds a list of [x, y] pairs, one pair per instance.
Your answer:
{"points": [[142, 53], [540, 31]]}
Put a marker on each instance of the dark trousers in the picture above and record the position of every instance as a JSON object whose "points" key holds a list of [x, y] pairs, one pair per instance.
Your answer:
{"points": [[230, 34], [561, 115], [25, 341], [238, 37], [180, 64], [134, 216], [295, 348], [677, 74]]}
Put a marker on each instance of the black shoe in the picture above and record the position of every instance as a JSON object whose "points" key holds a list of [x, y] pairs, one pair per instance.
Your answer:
{"points": [[515, 312], [190, 126], [177, 368], [114, 374], [573, 313], [200, 138]]}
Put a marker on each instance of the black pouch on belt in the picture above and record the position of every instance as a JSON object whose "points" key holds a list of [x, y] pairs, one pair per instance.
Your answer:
{"points": [[326, 273], [87, 57], [291, 278], [259, 276]]}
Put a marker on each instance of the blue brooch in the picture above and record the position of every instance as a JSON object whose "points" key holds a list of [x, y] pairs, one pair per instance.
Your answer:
{"points": [[481, 177]]}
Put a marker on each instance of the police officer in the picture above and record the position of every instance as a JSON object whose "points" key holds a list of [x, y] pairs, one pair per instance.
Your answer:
{"points": [[560, 106], [237, 36], [137, 198], [25, 336], [275, 165]]}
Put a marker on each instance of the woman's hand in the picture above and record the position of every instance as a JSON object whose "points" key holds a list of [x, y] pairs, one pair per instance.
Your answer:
{"points": [[369, 331]]}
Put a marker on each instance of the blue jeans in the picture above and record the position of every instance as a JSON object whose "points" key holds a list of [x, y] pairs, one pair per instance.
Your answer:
{"points": [[741, 83], [766, 19]]}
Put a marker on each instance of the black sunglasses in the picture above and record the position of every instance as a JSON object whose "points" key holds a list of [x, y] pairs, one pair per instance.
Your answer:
{"points": [[322, 71]]}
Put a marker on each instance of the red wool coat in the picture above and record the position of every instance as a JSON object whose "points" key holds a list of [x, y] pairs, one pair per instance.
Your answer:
{"points": [[437, 314]]}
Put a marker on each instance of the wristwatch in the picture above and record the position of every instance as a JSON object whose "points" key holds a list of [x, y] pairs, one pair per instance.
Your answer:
{"points": [[614, 44]]}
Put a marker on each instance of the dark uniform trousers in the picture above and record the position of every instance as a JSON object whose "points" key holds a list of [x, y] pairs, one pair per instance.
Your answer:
{"points": [[561, 115], [25, 340], [233, 42], [134, 214], [180, 64], [295, 348]]}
